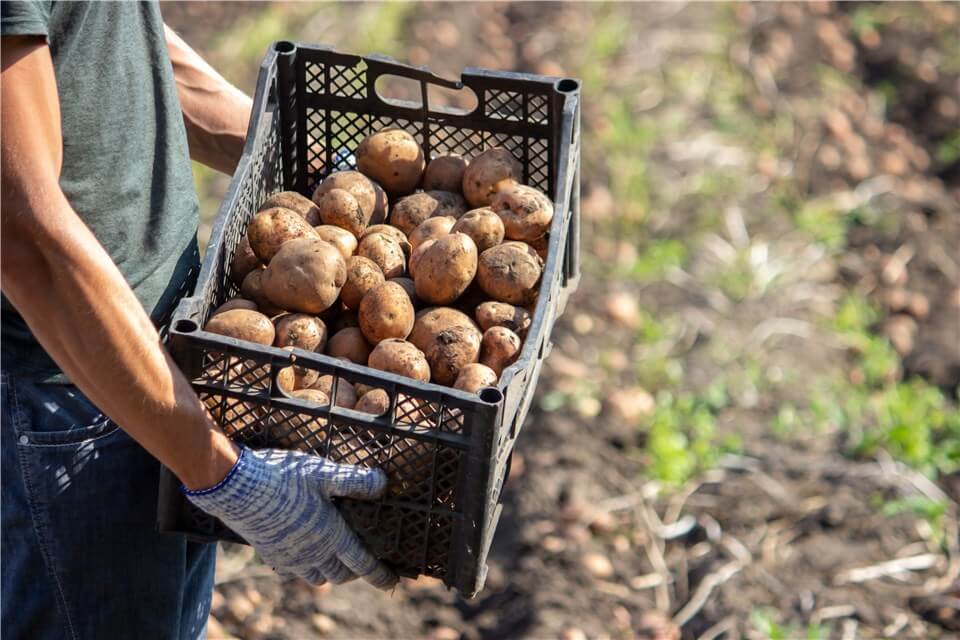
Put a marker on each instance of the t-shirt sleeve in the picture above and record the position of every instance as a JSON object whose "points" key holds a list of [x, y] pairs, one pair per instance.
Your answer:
{"points": [[25, 18]]}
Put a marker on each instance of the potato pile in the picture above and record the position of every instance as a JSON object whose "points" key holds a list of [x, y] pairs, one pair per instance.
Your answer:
{"points": [[428, 270]]}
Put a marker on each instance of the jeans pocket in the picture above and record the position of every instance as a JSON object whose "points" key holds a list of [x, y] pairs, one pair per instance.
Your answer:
{"points": [[54, 414]]}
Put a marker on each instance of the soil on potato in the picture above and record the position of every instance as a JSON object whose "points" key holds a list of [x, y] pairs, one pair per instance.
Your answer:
{"points": [[586, 546]]}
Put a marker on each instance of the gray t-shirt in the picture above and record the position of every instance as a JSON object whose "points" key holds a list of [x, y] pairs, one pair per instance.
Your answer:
{"points": [[126, 166]]}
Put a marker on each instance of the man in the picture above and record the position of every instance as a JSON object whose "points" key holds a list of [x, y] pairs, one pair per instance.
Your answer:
{"points": [[102, 109]]}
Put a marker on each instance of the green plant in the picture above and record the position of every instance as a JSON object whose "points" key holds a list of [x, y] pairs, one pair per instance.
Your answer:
{"points": [[930, 510], [656, 258], [765, 622], [681, 438]]}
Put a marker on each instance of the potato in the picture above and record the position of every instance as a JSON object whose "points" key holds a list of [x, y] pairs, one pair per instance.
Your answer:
{"points": [[375, 402], [483, 226], [500, 314], [343, 240], [297, 203], [242, 324], [339, 208], [541, 245], [431, 228], [300, 330], [349, 343], [244, 261], [409, 287], [287, 379], [252, 289], [400, 357], [393, 158], [487, 173], [446, 268], [270, 229], [393, 232], [235, 303], [294, 377], [357, 185], [510, 272], [314, 396], [526, 212], [408, 213], [386, 252], [499, 348], [445, 173], [416, 255], [346, 394], [449, 339], [306, 275], [381, 207], [363, 274], [474, 377], [386, 312]]}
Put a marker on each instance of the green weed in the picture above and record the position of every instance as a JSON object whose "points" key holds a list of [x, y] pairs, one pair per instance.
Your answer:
{"points": [[932, 511], [681, 438], [764, 621], [655, 259]]}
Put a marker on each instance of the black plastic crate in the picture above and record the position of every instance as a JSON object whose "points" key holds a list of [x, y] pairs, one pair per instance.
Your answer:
{"points": [[447, 452]]}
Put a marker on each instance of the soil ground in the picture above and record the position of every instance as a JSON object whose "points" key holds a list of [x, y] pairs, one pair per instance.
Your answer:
{"points": [[751, 169]]}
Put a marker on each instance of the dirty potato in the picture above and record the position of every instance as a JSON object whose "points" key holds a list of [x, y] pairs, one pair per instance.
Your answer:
{"points": [[400, 357], [363, 274], [409, 212], [483, 226], [272, 228], [474, 377], [306, 275], [446, 268], [242, 324], [487, 173], [500, 314], [510, 272], [385, 252], [386, 312], [449, 339], [393, 158], [526, 212], [445, 173], [302, 205]]}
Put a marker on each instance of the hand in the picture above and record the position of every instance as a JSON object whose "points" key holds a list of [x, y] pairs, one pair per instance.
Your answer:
{"points": [[279, 502]]}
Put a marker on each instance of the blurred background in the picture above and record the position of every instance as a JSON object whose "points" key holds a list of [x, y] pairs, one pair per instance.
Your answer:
{"points": [[748, 426]]}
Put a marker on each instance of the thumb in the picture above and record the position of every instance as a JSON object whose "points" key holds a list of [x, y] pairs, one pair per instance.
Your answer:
{"points": [[351, 481]]}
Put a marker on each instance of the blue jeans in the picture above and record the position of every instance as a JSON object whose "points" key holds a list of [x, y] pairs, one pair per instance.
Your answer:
{"points": [[81, 557]]}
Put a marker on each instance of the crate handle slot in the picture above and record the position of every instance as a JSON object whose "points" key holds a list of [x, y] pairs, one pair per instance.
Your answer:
{"points": [[410, 87]]}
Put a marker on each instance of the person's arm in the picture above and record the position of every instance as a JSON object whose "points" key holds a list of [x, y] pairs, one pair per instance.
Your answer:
{"points": [[82, 311], [72, 295], [216, 113]]}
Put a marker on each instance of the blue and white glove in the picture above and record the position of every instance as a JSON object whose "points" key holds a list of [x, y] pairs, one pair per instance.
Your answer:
{"points": [[279, 502]]}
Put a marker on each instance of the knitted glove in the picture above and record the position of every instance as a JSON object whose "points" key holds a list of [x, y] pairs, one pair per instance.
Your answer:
{"points": [[279, 502]]}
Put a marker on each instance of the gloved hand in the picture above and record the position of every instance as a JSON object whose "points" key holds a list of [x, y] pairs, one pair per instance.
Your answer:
{"points": [[279, 502]]}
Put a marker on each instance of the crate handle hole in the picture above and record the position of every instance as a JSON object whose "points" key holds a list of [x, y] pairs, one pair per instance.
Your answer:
{"points": [[185, 326], [284, 46], [491, 395], [406, 92], [568, 85]]}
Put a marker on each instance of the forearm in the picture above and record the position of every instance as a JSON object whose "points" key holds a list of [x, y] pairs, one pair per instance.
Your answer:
{"points": [[215, 112], [82, 311]]}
